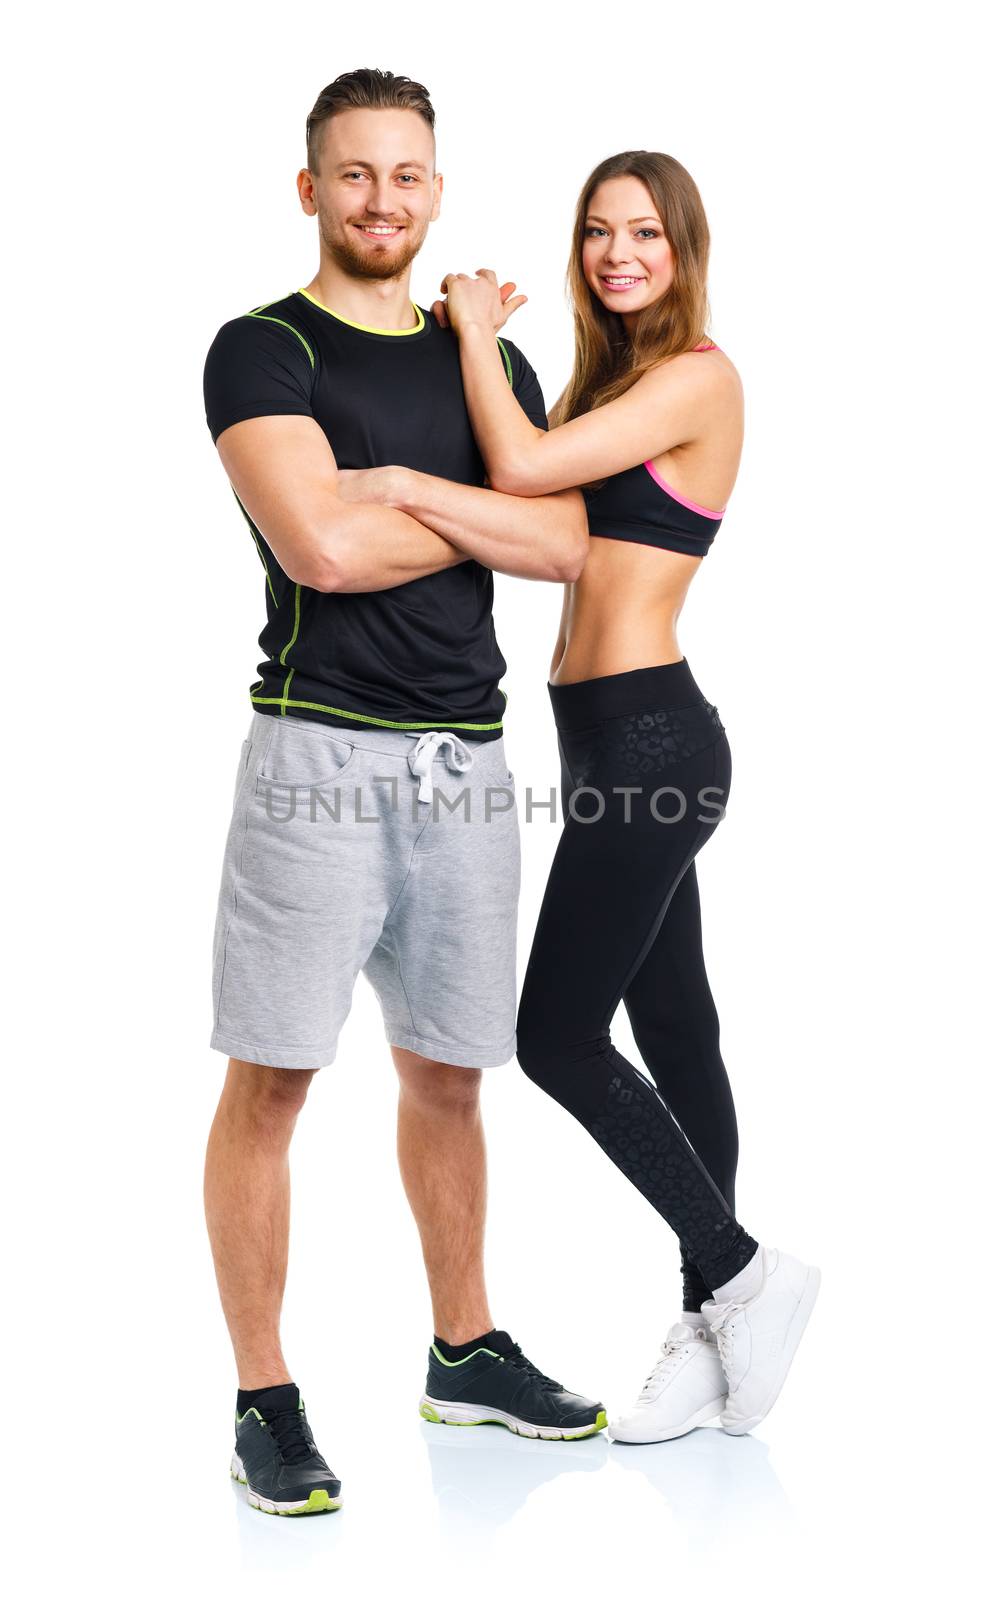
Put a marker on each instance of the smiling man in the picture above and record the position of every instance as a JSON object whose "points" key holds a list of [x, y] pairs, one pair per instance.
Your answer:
{"points": [[377, 699]]}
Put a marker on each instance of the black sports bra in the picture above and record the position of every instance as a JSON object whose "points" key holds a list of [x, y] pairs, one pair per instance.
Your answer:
{"points": [[638, 505]]}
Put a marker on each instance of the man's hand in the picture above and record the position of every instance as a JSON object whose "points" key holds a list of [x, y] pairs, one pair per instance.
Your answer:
{"points": [[481, 299]]}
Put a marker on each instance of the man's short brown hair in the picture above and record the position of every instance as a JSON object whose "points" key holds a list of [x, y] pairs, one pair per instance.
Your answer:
{"points": [[366, 87]]}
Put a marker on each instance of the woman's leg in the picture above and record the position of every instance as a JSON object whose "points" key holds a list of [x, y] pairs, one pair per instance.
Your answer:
{"points": [[610, 885], [675, 1026]]}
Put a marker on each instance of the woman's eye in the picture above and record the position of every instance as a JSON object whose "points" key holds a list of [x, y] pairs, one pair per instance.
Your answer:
{"points": [[592, 231], [652, 233]]}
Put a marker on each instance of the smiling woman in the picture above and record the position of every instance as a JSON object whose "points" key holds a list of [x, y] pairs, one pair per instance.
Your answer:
{"points": [[650, 426], [639, 247]]}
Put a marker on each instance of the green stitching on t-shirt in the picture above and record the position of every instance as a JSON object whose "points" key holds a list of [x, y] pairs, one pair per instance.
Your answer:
{"points": [[280, 323], [357, 716], [290, 641], [252, 530], [505, 358]]}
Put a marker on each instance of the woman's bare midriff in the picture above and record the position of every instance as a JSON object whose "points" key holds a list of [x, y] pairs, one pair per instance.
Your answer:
{"points": [[621, 613]]}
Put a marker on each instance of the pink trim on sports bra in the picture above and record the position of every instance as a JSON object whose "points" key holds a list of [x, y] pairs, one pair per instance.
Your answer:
{"points": [[704, 511]]}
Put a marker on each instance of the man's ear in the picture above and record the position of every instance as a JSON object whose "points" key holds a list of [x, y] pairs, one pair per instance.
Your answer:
{"points": [[438, 191]]}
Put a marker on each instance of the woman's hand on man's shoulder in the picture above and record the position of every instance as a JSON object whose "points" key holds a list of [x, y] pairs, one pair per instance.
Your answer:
{"points": [[481, 299]]}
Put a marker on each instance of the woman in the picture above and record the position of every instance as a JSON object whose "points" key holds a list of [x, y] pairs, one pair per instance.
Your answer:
{"points": [[651, 422]]}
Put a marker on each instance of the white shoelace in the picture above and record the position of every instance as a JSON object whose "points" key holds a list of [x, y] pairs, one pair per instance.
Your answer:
{"points": [[421, 759], [722, 1325], [672, 1356]]}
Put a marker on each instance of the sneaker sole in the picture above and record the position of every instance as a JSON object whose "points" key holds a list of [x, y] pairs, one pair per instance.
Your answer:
{"points": [[461, 1416], [317, 1500], [623, 1435], [797, 1327]]}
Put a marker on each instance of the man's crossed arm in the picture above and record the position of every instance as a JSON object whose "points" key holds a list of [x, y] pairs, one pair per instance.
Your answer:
{"points": [[341, 532]]}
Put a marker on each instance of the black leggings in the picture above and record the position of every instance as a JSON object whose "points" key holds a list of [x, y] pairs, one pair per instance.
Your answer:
{"points": [[646, 757]]}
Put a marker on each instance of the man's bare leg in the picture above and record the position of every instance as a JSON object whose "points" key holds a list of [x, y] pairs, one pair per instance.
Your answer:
{"points": [[441, 1147], [247, 1209]]}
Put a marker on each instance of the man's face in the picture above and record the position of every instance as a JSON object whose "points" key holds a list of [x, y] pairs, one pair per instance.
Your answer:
{"points": [[376, 192]]}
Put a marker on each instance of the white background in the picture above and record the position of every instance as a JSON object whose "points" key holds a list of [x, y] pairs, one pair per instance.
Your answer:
{"points": [[154, 154]]}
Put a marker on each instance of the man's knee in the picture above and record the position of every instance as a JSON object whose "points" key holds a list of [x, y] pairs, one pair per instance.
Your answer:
{"points": [[269, 1094], [437, 1086]]}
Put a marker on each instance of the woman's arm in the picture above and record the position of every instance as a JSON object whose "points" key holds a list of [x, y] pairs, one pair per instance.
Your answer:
{"points": [[668, 406], [539, 537]]}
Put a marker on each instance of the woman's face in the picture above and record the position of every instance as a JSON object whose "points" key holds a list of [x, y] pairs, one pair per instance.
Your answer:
{"points": [[626, 256]]}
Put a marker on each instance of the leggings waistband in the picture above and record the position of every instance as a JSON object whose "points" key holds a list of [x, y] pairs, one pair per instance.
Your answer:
{"points": [[578, 705]]}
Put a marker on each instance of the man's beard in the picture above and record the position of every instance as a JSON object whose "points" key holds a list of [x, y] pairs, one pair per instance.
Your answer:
{"points": [[368, 263]]}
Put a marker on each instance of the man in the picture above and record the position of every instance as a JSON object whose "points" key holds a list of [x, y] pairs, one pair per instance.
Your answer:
{"points": [[373, 774]]}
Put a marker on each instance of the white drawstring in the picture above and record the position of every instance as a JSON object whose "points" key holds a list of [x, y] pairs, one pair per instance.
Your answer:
{"points": [[421, 759]]}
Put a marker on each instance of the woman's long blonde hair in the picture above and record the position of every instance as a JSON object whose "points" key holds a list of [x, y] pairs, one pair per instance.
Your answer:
{"points": [[607, 360]]}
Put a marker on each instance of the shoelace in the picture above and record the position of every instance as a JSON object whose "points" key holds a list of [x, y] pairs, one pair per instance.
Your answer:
{"points": [[292, 1435], [672, 1350], [525, 1365], [723, 1327]]}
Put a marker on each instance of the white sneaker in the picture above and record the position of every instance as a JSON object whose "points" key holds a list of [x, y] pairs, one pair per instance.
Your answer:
{"points": [[758, 1336], [686, 1387]]}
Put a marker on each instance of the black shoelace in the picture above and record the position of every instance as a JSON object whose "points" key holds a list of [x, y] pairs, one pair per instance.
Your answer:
{"points": [[525, 1365], [290, 1430]]}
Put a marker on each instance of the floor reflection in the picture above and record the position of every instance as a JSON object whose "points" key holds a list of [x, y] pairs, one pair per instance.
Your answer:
{"points": [[716, 1486], [713, 1485], [483, 1476], [276, 1544]]}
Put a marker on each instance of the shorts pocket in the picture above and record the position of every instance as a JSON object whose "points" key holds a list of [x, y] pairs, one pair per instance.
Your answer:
{"points": [[305, 758], [505, 777]]}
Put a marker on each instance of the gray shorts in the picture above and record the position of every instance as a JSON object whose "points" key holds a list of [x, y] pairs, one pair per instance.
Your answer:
{"points": [[373, 851]]}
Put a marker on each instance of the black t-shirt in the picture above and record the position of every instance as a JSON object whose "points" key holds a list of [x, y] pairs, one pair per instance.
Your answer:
{"points": [[418, 656]]}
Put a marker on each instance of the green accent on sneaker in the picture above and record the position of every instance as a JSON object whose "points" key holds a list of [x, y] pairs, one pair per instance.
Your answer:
{"points": [[479, 1352], [430, 1415], [317, 1500]]}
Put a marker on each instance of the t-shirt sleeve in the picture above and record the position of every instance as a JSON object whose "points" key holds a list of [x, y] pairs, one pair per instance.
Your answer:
{"points": [[256, 368], [525, 386]]}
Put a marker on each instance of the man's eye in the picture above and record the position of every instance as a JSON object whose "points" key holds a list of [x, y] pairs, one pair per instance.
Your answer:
{"points": [[354, 174], [411, 176]]}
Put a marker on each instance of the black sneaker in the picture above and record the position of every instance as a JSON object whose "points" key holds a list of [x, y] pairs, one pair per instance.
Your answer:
{"points": [[276, 1457], [499, 1384]]}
